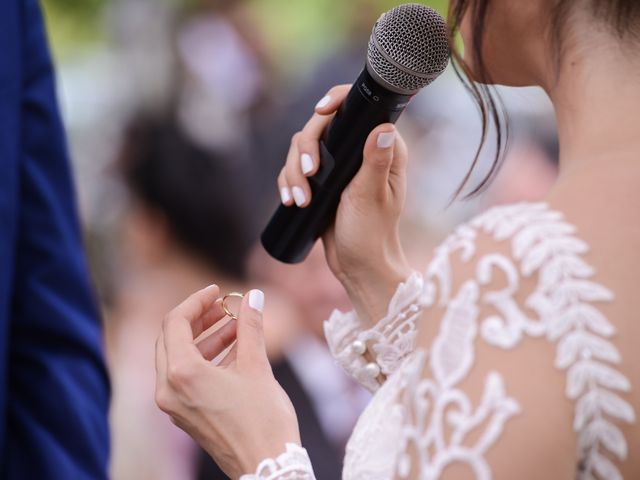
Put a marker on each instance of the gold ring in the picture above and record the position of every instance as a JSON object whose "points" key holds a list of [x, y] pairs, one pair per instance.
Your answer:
{"points": [[224, 304]]}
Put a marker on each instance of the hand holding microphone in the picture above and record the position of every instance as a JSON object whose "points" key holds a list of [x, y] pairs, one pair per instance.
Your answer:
{"points": [[362, 246], [344, 179]]}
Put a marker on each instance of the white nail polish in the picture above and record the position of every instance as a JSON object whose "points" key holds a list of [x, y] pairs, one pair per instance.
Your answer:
{"points": [[385, 139], [285, 194], [256, 300], [299, 196], [306, 163], [324, 102]]}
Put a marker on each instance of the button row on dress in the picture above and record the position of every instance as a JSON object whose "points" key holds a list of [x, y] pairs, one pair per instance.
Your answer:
{"points": [[359, 348]]}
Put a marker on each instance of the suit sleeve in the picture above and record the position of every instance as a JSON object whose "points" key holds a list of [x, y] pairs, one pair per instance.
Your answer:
{"points": [[59, 389]]}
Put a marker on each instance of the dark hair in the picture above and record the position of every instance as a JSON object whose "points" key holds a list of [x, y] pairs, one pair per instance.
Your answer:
{"points": [[199, 193], [622, 16]]}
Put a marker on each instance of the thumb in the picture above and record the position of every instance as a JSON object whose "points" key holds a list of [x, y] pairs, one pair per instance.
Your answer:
{"points": [[373, 177], [250, 334]]}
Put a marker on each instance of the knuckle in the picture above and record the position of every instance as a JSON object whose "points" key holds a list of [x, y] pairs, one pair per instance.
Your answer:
{"points": [[164, 400], [282, 178], [169, 318], [309, 145], [180, 375], [295, 138]]}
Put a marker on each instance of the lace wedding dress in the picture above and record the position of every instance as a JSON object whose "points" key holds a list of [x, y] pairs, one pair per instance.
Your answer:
{"points": [[401, 434]]}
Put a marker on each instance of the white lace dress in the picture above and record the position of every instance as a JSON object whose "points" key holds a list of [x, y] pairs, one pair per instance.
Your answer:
{"points": [[401, 434]]}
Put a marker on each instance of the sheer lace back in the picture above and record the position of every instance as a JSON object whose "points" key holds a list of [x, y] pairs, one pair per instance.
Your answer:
{"points": [[564, 300]]}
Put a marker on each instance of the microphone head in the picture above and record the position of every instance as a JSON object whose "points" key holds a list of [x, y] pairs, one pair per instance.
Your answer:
{"points": [[408, 49]]}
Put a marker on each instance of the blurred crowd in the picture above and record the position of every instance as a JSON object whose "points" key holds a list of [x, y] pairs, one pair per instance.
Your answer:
{"points": [[180, 120]]}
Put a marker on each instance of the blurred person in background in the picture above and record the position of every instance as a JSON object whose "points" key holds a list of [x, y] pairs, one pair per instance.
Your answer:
{"points": [[223, 80], [526, 329], [54, 390], [187, 222]]}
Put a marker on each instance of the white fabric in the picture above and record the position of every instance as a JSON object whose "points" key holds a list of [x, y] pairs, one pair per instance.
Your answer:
{"points": [[293, 464], [421, 398], [388, 342]]}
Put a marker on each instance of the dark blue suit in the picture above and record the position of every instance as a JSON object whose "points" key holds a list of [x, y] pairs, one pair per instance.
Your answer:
{"points": [[53, 385]]}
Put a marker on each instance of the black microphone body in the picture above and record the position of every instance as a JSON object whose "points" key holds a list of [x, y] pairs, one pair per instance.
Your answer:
{"points": [[292, 231], [408, 49]]}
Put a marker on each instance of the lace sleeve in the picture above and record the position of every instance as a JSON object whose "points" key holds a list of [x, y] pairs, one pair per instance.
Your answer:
{"points": [[388, 342], [293, 464]]}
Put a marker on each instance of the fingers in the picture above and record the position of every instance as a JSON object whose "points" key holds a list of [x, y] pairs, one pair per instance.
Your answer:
{"points": [[286, 195], [251, 347], [230, 357], [208, 319], [332, 100], [303, 159], [214, 344], [178, 333], [398, 171], [163, 395], [378, 158], [194, 307]]}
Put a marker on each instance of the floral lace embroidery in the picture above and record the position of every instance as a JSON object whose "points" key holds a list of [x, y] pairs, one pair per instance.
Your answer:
{"points": [[542, 243], [389, 341], [294, 464], [433, 406]]}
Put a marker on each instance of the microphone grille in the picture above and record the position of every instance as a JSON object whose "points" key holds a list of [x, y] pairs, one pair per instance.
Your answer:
{"points": [[409, 48]]}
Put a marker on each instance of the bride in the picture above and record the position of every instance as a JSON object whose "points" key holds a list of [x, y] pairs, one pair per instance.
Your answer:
{"points": [[514, 356]]}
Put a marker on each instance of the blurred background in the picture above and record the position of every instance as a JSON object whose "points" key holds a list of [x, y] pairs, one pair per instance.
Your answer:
{"points": [[179, 115]]}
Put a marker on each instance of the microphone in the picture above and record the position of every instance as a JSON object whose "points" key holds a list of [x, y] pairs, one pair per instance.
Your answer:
{"points": [[408, 49]]}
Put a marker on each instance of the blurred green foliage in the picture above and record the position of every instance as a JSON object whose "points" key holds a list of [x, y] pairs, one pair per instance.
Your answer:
{"points": [[73, 25], [310, 28], [296, 29]]}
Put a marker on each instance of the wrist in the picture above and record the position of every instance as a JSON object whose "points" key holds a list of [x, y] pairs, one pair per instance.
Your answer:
{"points": [[371, 290]]}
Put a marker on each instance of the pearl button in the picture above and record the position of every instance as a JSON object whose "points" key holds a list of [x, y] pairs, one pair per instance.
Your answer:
{"points": [[414, 309], [373, 370], [358, 347]]}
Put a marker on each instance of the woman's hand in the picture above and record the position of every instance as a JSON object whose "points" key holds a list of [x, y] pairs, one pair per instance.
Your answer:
{"points": [[362, 247], [235, 410]]}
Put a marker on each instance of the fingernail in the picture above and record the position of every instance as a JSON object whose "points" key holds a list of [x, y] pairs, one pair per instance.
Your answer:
{"points": [[307, 163], [256, 300], [385, 139], [211, 287], [298, 196], [324, 102], [285, 194]]}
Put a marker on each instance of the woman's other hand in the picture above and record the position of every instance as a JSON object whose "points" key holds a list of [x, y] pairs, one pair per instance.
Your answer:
{"points": [[362, 247], [235, 410]]}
